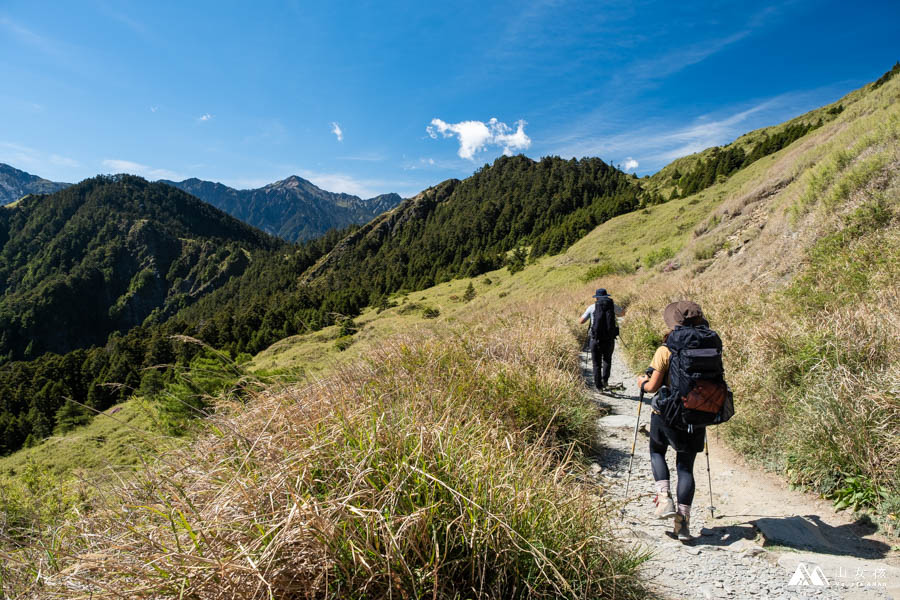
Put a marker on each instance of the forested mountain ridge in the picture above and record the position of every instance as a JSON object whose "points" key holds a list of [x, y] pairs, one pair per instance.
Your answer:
{"points": [[463, 228], [690, 174], [293, 209], [107, 254], [15, 184]]}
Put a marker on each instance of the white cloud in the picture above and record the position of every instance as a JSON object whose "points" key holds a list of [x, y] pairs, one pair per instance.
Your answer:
{"points": [[630, 164], [476, 136], [336, 130], [206, 117], [153, 109], [127, 166]]}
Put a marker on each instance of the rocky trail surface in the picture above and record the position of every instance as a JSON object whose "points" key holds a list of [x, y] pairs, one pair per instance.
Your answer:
{"points": [[763, 541]]}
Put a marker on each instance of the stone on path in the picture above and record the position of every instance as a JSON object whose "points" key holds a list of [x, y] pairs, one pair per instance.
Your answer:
{"points": [[745, 546], [796, 532]]}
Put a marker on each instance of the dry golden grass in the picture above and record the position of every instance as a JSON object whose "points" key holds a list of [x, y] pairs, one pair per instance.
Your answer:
{"points": [[444, 466]]}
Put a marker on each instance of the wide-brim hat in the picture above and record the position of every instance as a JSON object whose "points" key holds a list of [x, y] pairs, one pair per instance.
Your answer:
{"points": [[600, 292], [683, 312]]}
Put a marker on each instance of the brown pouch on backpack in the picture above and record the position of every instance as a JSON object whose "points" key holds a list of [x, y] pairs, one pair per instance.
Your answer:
{"points": [[707, 396]]}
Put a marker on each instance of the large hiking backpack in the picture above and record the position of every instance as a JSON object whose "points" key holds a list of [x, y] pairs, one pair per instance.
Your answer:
{"points": [[696, 393], [603, 325]]}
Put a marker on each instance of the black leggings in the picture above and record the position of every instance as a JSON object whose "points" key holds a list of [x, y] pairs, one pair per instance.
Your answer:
{"points": [[660, 440]]}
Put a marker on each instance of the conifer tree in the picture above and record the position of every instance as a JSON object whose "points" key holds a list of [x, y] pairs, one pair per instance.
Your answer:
{"points": [[469, 295]]}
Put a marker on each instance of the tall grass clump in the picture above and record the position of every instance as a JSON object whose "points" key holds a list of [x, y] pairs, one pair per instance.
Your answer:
{"points": [[442, 467], [606, 268], [654, 257]]}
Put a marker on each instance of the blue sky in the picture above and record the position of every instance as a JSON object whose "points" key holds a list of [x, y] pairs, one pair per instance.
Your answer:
{"points": [[373, 97]]}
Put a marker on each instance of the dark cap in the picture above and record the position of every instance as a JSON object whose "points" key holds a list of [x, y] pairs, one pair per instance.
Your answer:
{"points": [[600, 292], [683, 312]]}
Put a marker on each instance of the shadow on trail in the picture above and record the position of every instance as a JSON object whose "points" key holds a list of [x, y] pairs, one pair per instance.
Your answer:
{"points": [[808, 533], [623, 396], [613, 459], [725, 535]]}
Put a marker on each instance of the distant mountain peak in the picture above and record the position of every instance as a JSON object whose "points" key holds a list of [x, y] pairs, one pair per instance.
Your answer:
{"points": [[15, 184], [293, 182]]}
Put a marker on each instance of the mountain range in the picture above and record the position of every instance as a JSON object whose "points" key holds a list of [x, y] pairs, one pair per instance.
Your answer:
{"points": [[293, 209]]}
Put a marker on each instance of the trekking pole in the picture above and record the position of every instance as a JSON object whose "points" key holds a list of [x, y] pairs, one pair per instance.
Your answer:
{"points": [[712, 508], [633, 444]]}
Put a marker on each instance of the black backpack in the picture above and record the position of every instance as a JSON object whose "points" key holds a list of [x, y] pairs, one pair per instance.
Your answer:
{"points": [[696, 393], [603, 325]]}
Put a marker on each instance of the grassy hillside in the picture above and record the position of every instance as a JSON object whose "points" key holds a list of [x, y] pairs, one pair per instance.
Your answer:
{"points": [[746, 149], [797, 268], [448, 463], [118, 438]]}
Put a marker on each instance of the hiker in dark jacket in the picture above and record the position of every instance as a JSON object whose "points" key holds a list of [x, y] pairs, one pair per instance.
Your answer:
{"points": [[686, 444], [602, 335]]}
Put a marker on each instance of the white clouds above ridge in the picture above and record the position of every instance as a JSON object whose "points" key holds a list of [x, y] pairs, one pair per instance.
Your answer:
{"points": [[127, 166], [476, 136]]}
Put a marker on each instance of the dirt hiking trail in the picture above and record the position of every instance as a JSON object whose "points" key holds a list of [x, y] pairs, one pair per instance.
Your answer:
{"points": [[766, 541]]}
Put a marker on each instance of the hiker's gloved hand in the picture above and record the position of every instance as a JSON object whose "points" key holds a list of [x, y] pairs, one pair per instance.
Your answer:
{"points": [[641, 380], [651, 376]]}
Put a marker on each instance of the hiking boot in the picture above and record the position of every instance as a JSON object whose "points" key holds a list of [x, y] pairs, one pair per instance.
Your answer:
{"points": [[682, 531], [665, 508]]}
